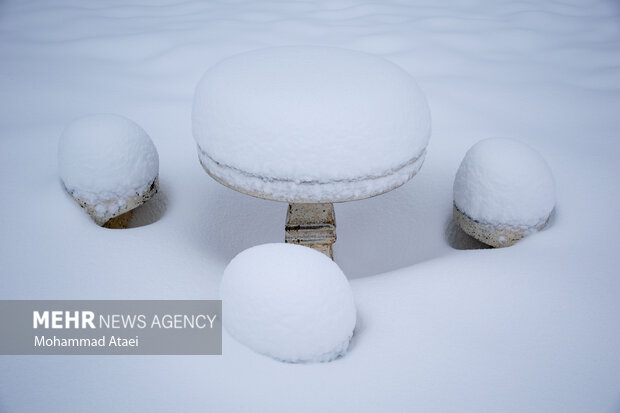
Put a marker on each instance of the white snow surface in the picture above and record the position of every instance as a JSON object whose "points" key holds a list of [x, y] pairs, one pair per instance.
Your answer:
{"points": [[504, 182], [530, 328], [289, 302], [310, 191], [106, 157], [310, 114]]}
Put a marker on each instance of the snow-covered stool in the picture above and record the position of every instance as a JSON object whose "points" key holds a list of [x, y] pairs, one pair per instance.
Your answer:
{"points": [[503, 191], [288, 302], [310, 126], [109, 165]]}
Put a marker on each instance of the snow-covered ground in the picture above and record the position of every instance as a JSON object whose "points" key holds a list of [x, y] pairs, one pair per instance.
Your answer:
{"points": [[531, 328]]}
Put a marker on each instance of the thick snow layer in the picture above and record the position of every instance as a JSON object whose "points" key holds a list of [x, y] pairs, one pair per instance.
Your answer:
{"points": [[106, 159], [311, 115], [309, 191], [502, 181], [530, 328], [289, 302]]}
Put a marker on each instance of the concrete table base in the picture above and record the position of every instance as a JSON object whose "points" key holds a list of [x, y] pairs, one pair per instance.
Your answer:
{"points": [[312, 225], [310, 219]]}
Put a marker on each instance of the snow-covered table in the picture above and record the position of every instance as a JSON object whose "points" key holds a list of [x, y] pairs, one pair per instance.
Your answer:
{"points": [[310, 126], [530, 328]]}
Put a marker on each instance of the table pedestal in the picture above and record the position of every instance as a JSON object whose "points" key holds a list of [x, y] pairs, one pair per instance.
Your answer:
{"points": [[312, 225]]}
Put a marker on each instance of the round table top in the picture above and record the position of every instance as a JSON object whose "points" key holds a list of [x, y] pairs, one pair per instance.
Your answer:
{"points": [[310, 124]]}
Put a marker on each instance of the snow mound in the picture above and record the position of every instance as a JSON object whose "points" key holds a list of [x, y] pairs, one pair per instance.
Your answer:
{"points": [[106, 161], [289, 302], [504, 183], [304, 123]]}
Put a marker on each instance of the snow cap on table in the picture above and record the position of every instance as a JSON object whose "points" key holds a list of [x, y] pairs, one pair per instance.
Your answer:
{"points": [[302, 114], [502, 181], [289, 302]]}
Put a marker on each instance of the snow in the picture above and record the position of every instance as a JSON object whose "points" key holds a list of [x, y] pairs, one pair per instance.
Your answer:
{"points": [[502, 181], [289, 302], [310, 191], [106, 159], [530, 328], [345, 124]]}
